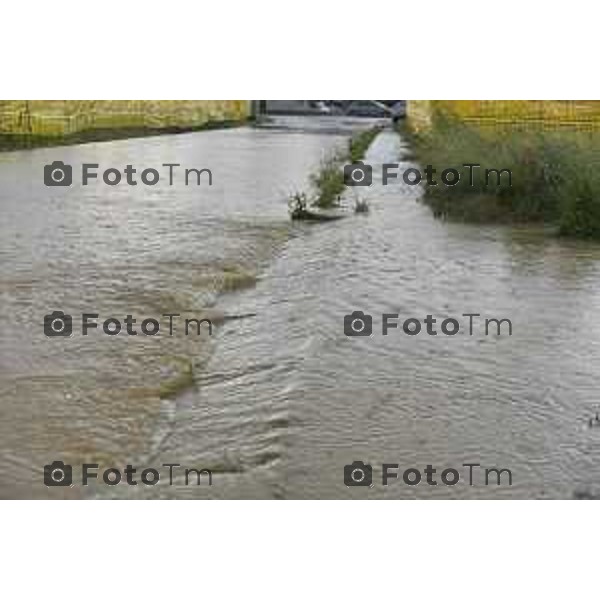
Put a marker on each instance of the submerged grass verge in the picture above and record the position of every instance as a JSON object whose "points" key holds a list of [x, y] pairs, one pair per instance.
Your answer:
{"points": [[329, 180], [555, 175], [10, 142], [179, 380]]}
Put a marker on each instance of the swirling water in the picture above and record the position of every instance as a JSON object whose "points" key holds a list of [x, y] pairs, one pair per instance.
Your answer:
{"points": [[280, 400]]}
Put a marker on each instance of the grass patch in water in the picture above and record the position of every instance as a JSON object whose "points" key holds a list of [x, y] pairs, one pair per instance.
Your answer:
{"points": [[359, 143], [555, 175], [235, 277], [181, 380], [227, 464], [329, 180]]}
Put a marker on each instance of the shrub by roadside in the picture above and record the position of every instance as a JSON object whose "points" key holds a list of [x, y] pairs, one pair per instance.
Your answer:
{"points": [[555, 175]]}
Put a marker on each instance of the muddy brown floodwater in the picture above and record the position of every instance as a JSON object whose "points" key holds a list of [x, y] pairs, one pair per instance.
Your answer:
{"points": [[276, 402]]}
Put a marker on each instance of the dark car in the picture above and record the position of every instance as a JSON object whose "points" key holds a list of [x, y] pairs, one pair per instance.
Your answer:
{"points": [[367, 108]]}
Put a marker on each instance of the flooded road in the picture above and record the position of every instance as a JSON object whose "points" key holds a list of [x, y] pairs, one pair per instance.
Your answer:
{"points": [[279, 399]]}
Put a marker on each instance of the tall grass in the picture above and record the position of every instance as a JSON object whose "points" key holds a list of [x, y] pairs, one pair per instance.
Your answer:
{"points": [[555, 175], [329, 180]]}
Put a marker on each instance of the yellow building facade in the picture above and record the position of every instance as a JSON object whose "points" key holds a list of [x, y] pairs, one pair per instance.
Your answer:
{"points": [[583, 115], [64, 117]]}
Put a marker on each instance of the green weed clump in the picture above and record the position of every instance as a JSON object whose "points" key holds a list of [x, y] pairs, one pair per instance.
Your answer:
{"points": [[329, 180]]}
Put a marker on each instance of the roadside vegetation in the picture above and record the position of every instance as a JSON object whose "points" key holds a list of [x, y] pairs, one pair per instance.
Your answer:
{"points": [[329, 180], [555, 175], [9, 142]]}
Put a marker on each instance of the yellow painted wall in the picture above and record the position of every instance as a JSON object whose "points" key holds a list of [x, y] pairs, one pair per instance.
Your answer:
{"points": [[583, 115], [61, 117]]}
